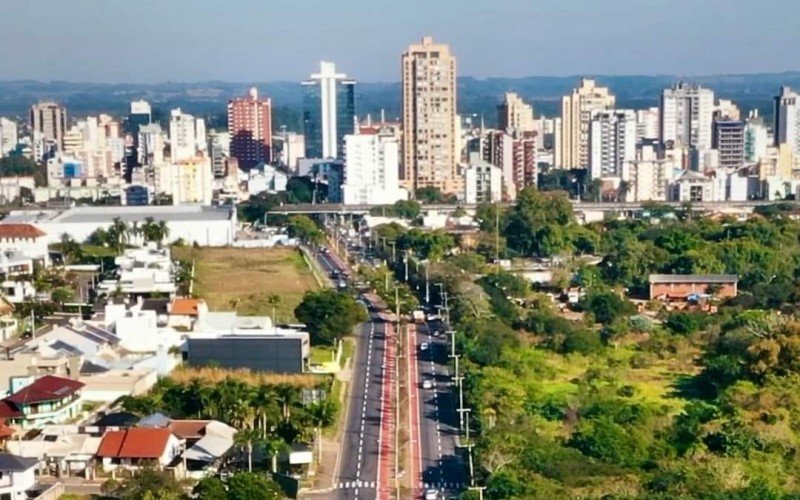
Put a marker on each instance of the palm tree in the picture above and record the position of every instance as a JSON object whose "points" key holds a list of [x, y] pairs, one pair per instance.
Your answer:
{"points": [[135, 231], [273, 446], [246, 439], [322, 414], [287, 395], [70, 249], [266, 405], [273, 299], [162, 231], [117, 234]]}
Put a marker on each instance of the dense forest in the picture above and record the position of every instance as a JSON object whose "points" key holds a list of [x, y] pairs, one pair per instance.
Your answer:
{"points": [[617, 399]]}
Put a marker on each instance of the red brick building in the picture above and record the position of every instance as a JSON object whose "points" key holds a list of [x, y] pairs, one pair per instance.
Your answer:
{"points": [[681, 286], [250, 129]]}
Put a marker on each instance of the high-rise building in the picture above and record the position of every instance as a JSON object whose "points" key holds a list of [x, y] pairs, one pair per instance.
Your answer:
{"points": [[371, 167], [756, 138], [482, 181], [9, 136], [182, 135], [576, 116], [687, 113], [250, 129], [219, 149], [515, 156], [187, 181], [151, 140], [647, 176], [515, 115], [430, 137], [328, 112], [787, 120], [140, 114], [647, 124], [612, 142], [729, 142], [49, 122]]}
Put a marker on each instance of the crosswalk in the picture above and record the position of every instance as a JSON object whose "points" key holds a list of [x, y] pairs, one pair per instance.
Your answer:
{"points": [[442, 486], [349, 485]]}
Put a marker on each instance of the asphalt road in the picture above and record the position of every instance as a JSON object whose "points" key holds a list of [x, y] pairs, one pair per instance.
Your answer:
{"points": [[442, 466], [361, 451]]}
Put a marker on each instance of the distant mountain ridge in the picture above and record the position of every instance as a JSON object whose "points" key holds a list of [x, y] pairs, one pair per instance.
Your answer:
{"points": [[478, 96]]}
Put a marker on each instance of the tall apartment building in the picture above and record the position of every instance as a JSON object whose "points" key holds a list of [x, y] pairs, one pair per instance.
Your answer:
{"points": [[647, 128], [219, 151], [430, 135], [141, 114], [371, 168], [151, 141], [576, 116], [250, 129], [515, 156], [9, 136], [515, 115], [188, 181], [687, 113], [49, 122], [728, 140], [612, 142], [787, 121], [187, 135], [482, 181], [648, 176], [756, 138], [328, 111]]}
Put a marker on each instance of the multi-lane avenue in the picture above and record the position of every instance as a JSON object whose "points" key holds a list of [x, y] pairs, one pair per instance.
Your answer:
{"points": [[434, 420]]}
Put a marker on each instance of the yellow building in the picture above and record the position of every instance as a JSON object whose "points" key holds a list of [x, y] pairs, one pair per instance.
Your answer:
{"points": [[576, 117]]}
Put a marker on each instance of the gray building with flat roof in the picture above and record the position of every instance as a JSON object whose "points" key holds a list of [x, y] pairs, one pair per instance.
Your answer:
{"points": [[284, 352]]}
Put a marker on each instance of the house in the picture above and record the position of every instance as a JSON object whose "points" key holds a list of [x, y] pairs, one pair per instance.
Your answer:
{"points": [[17, 477], [138, 446], [17, 291], [683, 286], [65, 450], [183, 312], [207, 442], [25, 239], [142, 271], [48, 399]]}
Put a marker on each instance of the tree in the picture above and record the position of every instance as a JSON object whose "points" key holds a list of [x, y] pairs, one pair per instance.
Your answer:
{"points": [[273, 300], [406, 209], [537, 225], [149, 483], [117, 235], [210, 488], [251, 485], [18, 165], [322, 414], [304, 229], [329, 315], [431, 195], [606, 306], [246, 439], [70, 249]]}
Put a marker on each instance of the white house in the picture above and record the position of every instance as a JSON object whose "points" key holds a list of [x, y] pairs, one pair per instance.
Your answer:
{"points": [[25, 239], [137, 447], [17, 476]]}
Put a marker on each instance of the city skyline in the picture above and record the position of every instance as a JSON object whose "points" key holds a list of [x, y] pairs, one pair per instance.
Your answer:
{"points": [[540, 39]]}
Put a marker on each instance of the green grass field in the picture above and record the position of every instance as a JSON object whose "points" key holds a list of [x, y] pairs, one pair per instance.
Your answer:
{"points": [[245, 278]]}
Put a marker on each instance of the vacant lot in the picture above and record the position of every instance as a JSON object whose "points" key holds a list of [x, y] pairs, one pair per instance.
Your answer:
{"points": [[245, 278]]}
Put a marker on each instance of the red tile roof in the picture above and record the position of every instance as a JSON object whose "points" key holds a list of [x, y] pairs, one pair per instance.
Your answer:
{"points": [[20, 231], [9, 410], [136, 442], [184, 307], [47, 388], [188, 429]]}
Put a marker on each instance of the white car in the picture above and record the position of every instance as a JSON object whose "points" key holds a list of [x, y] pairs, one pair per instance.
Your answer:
{"points": [[431, 495], [427, 384], [423, 346]]}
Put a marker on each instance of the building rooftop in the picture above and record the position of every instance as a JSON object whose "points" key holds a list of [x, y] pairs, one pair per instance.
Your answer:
{"points": [[185, 307], [21, 230], [117, 419], [98, 215], [14, 463], [136, 442], [47, 388], [694, 278]]}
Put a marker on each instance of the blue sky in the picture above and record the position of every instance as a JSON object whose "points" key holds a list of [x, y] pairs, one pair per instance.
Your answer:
{"points": [[269, 40]]}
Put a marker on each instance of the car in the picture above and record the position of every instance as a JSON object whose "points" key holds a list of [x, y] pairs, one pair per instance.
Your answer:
{"points": [[431, 495], [423, 346], [427, 384]]}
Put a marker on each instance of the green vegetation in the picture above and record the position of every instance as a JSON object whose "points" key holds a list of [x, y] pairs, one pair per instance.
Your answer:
{"points": [[16, 165], [329, 315], [254, 282], [604, 401]]}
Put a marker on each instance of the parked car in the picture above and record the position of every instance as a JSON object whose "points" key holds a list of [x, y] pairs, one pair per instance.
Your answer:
{"points": [[427, 384]]}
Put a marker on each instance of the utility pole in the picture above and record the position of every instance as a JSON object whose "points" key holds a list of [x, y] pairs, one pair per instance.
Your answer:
{"points": [[405, 261], [398, 344], [427, 286]]}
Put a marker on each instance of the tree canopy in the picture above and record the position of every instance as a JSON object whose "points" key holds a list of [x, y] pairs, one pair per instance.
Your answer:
{"points": [[329, 315]]}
